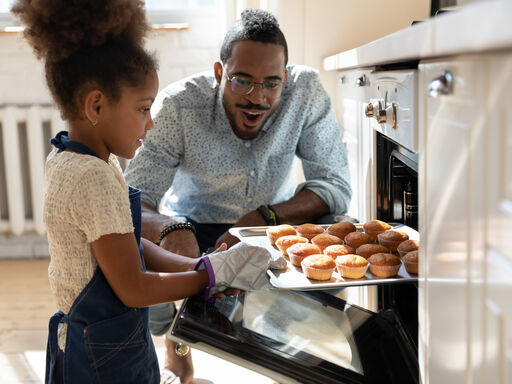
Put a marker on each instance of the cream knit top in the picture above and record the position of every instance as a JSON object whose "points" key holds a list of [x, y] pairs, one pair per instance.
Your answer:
{"points": [[85, 198]]}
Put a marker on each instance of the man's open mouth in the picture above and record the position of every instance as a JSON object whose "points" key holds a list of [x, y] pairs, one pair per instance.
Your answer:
{"points": [[252, 118]]}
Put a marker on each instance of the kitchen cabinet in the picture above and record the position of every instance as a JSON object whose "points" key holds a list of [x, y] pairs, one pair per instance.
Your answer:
{"points": [[465, 194], [352, 94]]}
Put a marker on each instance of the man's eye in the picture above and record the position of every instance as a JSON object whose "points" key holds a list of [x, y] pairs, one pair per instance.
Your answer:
{"points": [[243, 82], [271, 84]]}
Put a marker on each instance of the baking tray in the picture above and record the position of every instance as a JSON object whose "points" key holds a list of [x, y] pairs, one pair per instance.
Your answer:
{"points": [[292, 277]]}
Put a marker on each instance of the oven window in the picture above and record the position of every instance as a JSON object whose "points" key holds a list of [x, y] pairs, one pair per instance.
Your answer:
{"points": [[397, 183]]}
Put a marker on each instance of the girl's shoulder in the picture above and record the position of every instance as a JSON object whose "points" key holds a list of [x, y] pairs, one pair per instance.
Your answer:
{"points": [[74, 168]]}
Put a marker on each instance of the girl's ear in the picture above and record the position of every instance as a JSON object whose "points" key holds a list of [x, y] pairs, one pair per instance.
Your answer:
{"points": [[217, 70], [93, 105]]}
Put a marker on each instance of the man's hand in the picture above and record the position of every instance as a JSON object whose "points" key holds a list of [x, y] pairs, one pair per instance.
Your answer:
{"points": [[228, 239], [183, 242], [251, 219]]}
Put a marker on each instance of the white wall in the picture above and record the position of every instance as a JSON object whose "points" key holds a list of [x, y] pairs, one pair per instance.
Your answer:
{"points": [[180, 53], [316, 29]]}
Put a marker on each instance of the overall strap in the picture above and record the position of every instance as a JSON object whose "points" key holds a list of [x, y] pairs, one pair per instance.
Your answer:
{"points": [[61, 141], [52, 347]]}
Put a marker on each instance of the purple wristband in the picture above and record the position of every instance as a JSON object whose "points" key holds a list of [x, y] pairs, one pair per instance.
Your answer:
{"points": [[208, 266]]}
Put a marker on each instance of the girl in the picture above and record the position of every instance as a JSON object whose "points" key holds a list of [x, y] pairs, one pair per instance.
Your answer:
{"points": [[104, 83]]}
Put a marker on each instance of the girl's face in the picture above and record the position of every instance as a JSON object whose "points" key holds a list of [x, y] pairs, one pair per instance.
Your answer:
{"points": [[126, 122]]}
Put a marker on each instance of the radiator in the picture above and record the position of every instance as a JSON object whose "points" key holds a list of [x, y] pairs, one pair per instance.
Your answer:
{"points": [[25, 131]]}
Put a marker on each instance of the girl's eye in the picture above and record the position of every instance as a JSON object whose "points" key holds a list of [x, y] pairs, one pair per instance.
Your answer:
{"points": [[145, 110]]}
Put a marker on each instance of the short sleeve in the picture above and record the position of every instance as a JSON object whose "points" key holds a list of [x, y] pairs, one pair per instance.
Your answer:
{"points": [[99, 203]]}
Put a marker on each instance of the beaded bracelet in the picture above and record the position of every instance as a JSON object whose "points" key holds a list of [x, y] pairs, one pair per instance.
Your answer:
{"points": [[174, 227]]}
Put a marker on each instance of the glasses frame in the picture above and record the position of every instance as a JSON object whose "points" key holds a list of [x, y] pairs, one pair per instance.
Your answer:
{"points": [[253, 85]]}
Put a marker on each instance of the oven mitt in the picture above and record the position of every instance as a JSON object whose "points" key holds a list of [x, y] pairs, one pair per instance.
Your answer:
{"points": [[242, 266]]}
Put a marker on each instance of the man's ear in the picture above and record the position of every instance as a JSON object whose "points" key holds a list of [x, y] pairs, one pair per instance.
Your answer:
{"points": [[93, 105], [217, 70]]}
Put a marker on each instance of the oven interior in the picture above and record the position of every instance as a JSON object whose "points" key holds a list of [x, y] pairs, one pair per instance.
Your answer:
{"points": [[397, 202]]}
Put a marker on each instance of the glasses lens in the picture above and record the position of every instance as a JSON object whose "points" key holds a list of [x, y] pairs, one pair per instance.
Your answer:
{"points": [[272, 88], [241, 85]]}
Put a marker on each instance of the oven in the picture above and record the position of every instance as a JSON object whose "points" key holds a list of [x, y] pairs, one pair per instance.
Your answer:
{"points": [[322, 336], [392, 113]]}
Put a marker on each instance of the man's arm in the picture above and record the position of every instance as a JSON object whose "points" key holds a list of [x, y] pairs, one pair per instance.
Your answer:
{"points": [[305, 206], [180, 241]]}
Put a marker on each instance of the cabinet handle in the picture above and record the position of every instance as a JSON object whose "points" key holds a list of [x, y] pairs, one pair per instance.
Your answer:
{"points": [[442, 85], [362, 81]]}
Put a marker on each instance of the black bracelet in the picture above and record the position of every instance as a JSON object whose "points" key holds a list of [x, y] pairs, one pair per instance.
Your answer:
{"points": [[174, 227]]}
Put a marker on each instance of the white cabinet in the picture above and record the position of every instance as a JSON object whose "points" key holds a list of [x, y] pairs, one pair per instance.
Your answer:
{"points": [[465, 191], [352, 95]]}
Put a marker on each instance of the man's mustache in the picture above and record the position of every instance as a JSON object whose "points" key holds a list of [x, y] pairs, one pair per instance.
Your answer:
{"points": [[253, 106]]}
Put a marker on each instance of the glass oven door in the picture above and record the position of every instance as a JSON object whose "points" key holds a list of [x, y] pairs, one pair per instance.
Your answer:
{"points": [[304, 337]]}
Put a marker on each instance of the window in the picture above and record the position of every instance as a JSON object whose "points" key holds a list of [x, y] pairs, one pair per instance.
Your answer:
{"points": [[158, 11]]}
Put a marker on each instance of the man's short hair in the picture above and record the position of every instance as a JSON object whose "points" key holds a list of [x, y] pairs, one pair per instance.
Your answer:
{"points": [[254, 25]]}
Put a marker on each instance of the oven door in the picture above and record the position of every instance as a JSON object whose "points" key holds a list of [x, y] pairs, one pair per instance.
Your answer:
{"points": [[300, 337]]}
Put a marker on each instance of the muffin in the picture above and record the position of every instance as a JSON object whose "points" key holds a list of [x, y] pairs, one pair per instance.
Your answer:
{"points": [[309, 230], [324, 240], [407, 246], [384, 264], [277, 231], [284, 242], [297, 252], [351, 266], [356, 239], [318, 267], [341, 229], [338, 250], [411, 262], [366, 250], [374, 227], [391, 239]]}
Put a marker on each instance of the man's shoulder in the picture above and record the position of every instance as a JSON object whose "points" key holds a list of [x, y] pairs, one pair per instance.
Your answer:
{"points": [[301, 75], [196, 89]]}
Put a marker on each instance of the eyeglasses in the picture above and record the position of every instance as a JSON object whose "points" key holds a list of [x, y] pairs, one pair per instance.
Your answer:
{"points": [[242, 85]]}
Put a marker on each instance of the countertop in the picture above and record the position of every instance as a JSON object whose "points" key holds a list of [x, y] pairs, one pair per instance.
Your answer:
{"points": [[477, 27]]}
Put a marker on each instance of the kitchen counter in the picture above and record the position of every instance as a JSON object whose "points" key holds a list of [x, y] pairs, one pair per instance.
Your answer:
{"points": [[481, 26]]}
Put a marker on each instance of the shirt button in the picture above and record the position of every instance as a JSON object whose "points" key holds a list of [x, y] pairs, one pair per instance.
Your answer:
{"points": [[249, 199], [251, 173], [247, 144]]}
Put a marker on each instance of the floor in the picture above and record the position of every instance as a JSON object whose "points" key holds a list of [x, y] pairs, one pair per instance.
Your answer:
{"points": [[26, 304]]}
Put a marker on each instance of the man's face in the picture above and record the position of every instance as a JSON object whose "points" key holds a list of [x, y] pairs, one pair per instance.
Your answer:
{"points": [[260, 63]]}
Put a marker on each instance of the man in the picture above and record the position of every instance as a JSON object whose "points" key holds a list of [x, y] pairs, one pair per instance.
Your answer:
{"points": [[224, 144]]}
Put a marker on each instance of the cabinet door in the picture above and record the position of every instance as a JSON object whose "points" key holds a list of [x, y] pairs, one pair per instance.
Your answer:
{"points": [[351, 99], [451, 221], [498, 279]]}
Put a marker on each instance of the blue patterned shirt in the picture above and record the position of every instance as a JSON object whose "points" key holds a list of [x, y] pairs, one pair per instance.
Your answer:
{"points": [[210, 175]]}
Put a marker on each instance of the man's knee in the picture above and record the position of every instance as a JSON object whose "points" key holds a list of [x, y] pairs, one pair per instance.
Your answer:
{"points": [[160, 318]]}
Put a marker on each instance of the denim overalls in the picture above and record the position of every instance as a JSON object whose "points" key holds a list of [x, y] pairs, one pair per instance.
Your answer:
{"points": [[106, 341]]}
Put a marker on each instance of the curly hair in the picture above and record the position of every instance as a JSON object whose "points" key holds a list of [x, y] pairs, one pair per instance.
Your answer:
{"points": [[254, 25], [86, 44]]}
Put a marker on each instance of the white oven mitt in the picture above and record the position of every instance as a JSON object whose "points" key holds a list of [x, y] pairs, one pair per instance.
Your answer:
{"points": [[242, 266]]}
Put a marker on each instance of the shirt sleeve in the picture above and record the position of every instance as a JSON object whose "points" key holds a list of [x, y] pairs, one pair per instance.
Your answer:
{"points": [[323, 155], [99, 204], [154, 166]]}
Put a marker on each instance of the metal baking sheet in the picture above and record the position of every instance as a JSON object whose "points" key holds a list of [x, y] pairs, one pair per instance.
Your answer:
{"points": [[292, 277]]}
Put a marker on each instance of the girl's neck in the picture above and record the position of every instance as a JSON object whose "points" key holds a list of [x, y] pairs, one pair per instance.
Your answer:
{"points": [[84, 133]]}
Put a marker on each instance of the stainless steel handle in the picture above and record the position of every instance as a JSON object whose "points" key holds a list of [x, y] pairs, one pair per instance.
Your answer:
{"points": [[442, 85], [362, 81], [342, 80]]}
